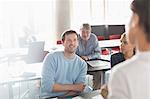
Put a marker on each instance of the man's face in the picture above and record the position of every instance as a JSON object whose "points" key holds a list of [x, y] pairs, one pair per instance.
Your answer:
{"points": [[70, 43], [85, 34]]}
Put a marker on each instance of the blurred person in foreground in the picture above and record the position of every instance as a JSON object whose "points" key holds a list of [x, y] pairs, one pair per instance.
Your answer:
{"points": [[130, 80]]}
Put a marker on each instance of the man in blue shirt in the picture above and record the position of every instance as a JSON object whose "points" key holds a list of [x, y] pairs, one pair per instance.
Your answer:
{"points": [[89, 49], [64, 72], [88, 44]]}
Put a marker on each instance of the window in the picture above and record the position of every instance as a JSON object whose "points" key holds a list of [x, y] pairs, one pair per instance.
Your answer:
{"points": [[80, 12], [89, 11], [97, 12], [20, 18], [117, 11]]}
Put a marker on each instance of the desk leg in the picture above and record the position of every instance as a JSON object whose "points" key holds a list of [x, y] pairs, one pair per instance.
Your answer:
{"points": [[10, 91], [102, 77]]}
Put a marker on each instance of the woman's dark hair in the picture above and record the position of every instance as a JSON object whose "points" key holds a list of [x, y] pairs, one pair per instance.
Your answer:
{"points": [[67, 33], [142, 9]]}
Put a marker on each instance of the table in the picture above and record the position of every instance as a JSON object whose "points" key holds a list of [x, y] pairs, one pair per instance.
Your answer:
{"points": [[13, 51], [92, 95], [27, 72], [99, 67], [109, 43], [12, 54], [55, 48]]}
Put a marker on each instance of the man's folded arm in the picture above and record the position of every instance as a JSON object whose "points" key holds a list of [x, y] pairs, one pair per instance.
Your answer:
{"points": [[68, 87]]}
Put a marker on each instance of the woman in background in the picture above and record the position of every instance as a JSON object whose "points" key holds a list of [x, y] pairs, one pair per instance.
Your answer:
{"points": [[127, 51], [131, 80]]}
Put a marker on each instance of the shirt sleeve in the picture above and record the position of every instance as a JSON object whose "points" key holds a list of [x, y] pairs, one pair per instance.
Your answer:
{"points": [[48, 73], [82, 74], [118, 86], [97, 50]]}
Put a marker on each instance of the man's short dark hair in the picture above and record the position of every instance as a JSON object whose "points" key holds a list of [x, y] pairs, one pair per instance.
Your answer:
{"points": [[67, 33]]}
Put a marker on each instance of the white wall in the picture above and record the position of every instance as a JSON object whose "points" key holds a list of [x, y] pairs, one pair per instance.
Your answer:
{"points": [[63, 18]]}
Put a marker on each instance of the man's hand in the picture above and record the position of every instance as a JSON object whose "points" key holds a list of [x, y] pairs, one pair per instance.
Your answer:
{"points": [[84, 57], [78, 87], [104, 91]]}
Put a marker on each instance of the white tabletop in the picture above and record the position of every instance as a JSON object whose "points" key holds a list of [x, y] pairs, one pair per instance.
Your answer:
{"points": [[14, 51], [92, 95], [20, 72], [55, 48], [109, 43]]}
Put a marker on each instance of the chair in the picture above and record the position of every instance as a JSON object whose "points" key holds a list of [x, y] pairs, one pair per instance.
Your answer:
{"points": [[35, 52], [111, 37], [59, 42], [100, 38], [116, 36], [22, 42], [44, 54], [105, 51]]}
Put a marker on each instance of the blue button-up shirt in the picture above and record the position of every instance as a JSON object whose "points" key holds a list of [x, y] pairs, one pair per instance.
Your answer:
{"points": [[89, 48]]}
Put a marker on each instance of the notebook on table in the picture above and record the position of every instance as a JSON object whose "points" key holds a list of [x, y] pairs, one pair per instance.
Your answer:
{"points": [[98, 63]]}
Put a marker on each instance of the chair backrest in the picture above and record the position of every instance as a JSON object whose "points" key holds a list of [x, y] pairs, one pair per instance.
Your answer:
{"points": [[117, 36], [59, 42], [22, 42], [105, 52], [115, 29], [101, 38], [35, 52], [45, 53], [98, 30]]}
